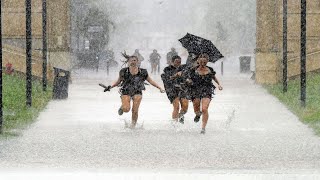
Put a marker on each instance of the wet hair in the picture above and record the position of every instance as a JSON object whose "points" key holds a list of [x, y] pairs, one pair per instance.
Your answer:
{"points": [[131, 57], [204, 55], [124, 54], [175, 57]]}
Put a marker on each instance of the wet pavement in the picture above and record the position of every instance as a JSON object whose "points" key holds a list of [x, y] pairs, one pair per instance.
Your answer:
{"points": [[249, 132]]}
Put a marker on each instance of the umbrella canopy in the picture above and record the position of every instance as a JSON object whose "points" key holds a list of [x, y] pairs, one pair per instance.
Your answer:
{"points": [[198, 45]]}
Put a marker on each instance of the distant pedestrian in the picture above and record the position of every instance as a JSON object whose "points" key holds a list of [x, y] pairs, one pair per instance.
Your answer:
{"points": [[139, 56], [154, 60], [202, 89], [192, 60], [110, 58], [170, 54]]}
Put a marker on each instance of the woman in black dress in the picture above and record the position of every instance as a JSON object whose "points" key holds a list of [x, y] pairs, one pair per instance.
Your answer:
{"points": [[202, 88], [177, 93], [132, 84]]}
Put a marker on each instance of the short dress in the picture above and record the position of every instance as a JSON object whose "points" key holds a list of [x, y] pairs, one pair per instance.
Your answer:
{"points": [[202, 85], [174, 87], [132, 84]]}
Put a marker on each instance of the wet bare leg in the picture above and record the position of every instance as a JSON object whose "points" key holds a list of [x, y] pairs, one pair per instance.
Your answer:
{"points": [[205, 115], [176, 107], [184, 105], [196, 106], [135, 109], [125, 100]]}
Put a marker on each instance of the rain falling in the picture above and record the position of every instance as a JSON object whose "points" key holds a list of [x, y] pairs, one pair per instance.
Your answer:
{"points": [[159, 89]]}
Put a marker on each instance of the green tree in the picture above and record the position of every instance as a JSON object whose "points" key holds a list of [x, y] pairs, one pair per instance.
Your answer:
{"points": [[97, 18]]}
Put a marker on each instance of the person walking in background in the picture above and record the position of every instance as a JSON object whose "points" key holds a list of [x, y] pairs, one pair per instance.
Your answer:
{"points": [[110, 59], [202, 89], [139, 56], [154, 61], [170, 55], [191, 60], [132, 80]]}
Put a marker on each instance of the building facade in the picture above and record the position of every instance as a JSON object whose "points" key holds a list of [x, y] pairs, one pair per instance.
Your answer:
{"points": [[269, 38], [58, 34]]}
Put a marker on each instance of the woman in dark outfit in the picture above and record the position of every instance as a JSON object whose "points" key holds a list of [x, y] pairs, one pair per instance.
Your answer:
{"points": [[202, 89], [132, 83], [177, 94]]}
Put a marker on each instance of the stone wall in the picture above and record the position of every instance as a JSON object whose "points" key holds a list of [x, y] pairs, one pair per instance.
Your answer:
{"points": [[58, 34], [269, 39]]}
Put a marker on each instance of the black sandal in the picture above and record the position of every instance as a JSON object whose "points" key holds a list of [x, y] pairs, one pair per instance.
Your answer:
{"points": [[197, 118], [120, 111]]}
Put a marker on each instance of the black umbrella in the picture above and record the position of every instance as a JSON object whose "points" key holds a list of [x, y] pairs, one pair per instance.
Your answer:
{"points": [[198, 45]]}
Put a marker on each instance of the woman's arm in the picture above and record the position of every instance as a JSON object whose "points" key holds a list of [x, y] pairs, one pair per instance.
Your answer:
{"points": [[116, 83], [108, 88], [217, 81], [155, 84]]}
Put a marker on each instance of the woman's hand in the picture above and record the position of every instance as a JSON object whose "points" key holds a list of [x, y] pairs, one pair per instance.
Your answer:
{"points": [[162, 90], [176, 75], [189, 81], [220, 87], [172, 77]]}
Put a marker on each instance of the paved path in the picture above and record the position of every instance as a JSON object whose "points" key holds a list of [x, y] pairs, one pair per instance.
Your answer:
{"points": [[249, 131]]}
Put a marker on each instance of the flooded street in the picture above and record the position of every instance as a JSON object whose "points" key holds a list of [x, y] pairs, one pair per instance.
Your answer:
{"points": [[85, 132]]}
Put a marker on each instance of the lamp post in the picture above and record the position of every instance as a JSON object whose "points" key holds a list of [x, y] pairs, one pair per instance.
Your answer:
{"points": [[1, 110], [28, 54], [303, 52], [285, 47], [222, 68], [44, 45]]}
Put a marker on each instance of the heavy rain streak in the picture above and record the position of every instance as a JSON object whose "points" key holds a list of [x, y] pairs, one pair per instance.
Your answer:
{"points": [[159, 89]]}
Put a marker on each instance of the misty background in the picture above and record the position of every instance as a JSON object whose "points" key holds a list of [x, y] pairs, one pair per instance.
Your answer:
{"points": [[158, 24]]}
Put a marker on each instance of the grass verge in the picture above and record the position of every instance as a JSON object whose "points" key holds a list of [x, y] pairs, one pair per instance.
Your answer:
{"points": [[309, 115], [16, 114]]}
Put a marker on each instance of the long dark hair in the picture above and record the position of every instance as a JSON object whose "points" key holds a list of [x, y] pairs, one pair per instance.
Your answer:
{"points": [[175, 57]]}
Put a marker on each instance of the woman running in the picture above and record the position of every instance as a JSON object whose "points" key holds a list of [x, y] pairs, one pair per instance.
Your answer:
{"points": [[132, 83], [176, 91], [202, 89]]}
